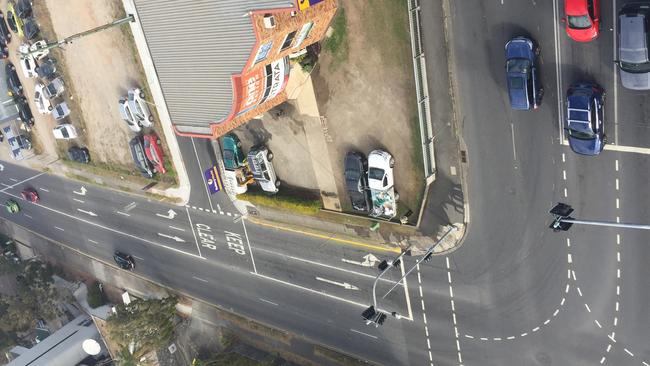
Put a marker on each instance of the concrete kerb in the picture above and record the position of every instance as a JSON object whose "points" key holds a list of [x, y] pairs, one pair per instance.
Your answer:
{"points": [[183, 190]]}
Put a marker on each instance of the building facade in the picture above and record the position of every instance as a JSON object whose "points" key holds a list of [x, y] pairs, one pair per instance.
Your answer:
{"points": [[222, 62]]}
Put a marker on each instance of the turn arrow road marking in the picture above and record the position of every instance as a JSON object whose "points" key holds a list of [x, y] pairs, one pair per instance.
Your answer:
{"points": [[341, 284], [87, 212], [82, 191], [170, 214], [369, 260], [180, 240]]}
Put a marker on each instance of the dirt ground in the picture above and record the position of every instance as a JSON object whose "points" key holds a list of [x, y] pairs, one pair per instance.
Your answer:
{"points": [[369, 99]]}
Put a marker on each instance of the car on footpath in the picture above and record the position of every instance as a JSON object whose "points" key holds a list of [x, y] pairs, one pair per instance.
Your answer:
{"points": [[12, 206], [42, 102], [585, 112], [24, 111], [140, 157], [54, 88], [633, 54], [153, 151], [356, 180], [65, 131], [139, 107], [522, 74], [381, 184], [582, 19], [128, 116], [60, 111], [259, 162], [232, 153], [13, 82], [5, 34], [30, 194], [79, 154], [123, 260]]}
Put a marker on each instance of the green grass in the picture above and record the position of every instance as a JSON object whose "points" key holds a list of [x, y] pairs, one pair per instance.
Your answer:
{"points": [[338, 44], [337, 357], [297, 204], [386, 26]]}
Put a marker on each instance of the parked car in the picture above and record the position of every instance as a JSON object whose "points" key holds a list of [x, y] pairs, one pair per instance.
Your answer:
{"points": [[380, 170], [139, 107], [5, 34], [524, 88], [12, 206], [124, 261], [13, 82], [140, 157], [582, 19], [39, 46], [28, 65], [46, 70], [585, 112], [128, 116], [65, 131], [259, 162], [633, 59], [232, 153], [31, 29], [30, 194], [79, 154], [4, 50], [24, 112], [153, 151], [54, 88], [356, 180], [13, 21], [24, 9], [60, 111], [42, 102]]}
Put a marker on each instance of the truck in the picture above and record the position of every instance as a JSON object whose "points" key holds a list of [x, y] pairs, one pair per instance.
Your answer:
{"points": [[381, 185], [259, 162]]}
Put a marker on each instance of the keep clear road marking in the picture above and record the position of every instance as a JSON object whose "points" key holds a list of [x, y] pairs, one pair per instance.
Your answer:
{"points": [[365, 334]]}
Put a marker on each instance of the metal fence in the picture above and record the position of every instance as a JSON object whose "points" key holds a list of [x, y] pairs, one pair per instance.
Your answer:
{"points": [[421, 91]]}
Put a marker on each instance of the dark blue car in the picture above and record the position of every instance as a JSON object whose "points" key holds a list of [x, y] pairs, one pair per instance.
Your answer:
{"points": [[585, 125], [524, 88]]}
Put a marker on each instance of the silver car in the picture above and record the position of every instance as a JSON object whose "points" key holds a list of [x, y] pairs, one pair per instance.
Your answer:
{"points": [[139, 107], [633, 59], [127, 116], [60, 111]]}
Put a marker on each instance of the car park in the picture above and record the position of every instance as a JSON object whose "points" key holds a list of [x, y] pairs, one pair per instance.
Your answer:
{"points": [[232, 153], [124, 260], [522, 74], [13, 82], [31, 29], [139, 107], [153, 151], [60, 111], [585, 112], [24, 112], [46, 70], [356, 180], [12, 206], [582, 19], [128, 116], [259, 162], [30, 194], [43, 103], [54, 88], [140, 157], [5, 34], [79, 154], [633, 54], [65, 131]]}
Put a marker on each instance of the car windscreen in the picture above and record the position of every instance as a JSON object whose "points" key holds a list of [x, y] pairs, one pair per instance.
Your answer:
{"points": [[64, 132], [518, 65], [516, 82], [375, 173], [579, 22]]}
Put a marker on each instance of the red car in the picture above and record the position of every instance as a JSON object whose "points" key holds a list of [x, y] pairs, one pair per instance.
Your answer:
{"points": [[30, 194], [154, 153], [582, 19]]}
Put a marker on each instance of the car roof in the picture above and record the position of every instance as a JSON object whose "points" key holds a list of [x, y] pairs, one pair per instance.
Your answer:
{"points": [[633, 44]]}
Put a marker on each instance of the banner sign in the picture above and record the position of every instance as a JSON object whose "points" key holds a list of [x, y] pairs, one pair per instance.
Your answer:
{"points": [[304, 4], [213, 180], [263, 84]]}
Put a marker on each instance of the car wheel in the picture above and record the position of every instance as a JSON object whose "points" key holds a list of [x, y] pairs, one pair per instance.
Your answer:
{"points": [[396, 196], [158, 141], [12, 68], [277, 183], [142, 95], [50, 108], [150, 118], [391, 162], [269, 156]]}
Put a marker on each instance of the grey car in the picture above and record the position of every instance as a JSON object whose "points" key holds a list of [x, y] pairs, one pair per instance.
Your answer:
{"points": [[633, 59]]}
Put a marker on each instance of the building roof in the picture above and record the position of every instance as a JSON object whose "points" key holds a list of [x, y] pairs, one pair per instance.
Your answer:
{"points": [[196, 47]]}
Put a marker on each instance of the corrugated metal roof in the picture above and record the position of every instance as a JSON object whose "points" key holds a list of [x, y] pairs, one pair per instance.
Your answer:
{"points": [[196, 46]]}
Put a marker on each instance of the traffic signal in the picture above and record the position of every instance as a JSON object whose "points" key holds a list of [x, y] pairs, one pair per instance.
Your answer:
{"points": [[369, 313], [428, 257], [561, 211]]}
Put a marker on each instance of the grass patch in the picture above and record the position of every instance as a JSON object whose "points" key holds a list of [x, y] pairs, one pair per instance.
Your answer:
{"points": [[337, 357], [285, 200], [95, 296], [413, 203], [338, 43], [386, 26], [256, 327]]}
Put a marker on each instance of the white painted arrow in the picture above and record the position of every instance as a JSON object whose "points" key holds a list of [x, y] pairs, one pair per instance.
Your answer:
{"points": [[180, 240], [170, 214], [341, 284], [369, 260], [87, 212], [82, 191], [2, 167]]}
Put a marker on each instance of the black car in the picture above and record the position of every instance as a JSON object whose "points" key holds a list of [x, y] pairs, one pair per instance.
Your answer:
{"points": [[11, 22], [31, 29], [13, 83], [356, 180], [5, 35], [79, 154], [139, 157], [4, 50], [46, 69], [24, 112], [24, 9], [123, 260]]}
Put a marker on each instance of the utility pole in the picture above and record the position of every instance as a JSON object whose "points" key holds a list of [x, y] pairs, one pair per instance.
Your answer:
{"points": [[50, 45], [563, 221]]}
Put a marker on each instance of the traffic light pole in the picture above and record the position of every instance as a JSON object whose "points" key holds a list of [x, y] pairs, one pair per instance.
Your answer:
{"points": [[606, 223], [563, 221], [374, 284]]}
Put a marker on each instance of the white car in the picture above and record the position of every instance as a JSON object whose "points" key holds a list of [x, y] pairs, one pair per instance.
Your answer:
{"points": [[42, 102], [259, 161], [380, 170], [127, 116], [65, 131], [28, 65], [54, 88], [60, 111], [25, 48], [139, 107]]}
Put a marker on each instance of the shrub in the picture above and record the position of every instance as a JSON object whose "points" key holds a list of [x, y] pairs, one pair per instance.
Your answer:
{"points": [[95, 295]]}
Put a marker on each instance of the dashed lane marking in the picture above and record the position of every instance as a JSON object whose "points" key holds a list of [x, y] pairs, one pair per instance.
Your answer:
{"points": [[58, 228], [199, 279], [365, 334], [268, 302]]}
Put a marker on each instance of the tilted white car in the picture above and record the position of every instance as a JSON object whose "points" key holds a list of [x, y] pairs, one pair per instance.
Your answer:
{"points": [[54, 88], [40, 45], [65, 131], [380, 170], [42, 102], [28, 65], [139, 107], [128, 117], [60, 111]]}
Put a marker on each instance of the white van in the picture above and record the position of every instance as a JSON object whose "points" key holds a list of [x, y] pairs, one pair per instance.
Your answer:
{"points": [[259, 162]]}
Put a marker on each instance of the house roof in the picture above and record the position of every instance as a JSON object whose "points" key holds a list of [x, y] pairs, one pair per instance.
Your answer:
{"points": [[196, 46]]}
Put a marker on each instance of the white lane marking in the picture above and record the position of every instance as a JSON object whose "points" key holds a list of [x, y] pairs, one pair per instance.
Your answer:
{"points": [[547, 321], [44, 190], [365, 334], [198, 162], [628, 352], [563, 158], [170, 214], [564, 174], [406, 294], [510, 338], [345, 285], [175, 238], [616, 163], [597, 323], [176, 228], [87, 212], [193, 231], [248, 242], [139, 258], [618, 203], [6, 185], [602, 360], [535, 329], [453, 313], [13, 180], [617, 184], [130, 206], [23, 181], [199, 279], [579, 292], [524, 334], [26, 215], [588, 309], [82, 191], [566, 193], [78, 200], [267, 301], [469, 336], [614, 67], [497, 338], [514, 147], [556, 312], [569, 258], [558, 71], [58, 228], [92, 241], [122, 213]]}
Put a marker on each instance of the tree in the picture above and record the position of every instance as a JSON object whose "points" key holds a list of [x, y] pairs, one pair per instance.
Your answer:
{"points": [[148, 325]]}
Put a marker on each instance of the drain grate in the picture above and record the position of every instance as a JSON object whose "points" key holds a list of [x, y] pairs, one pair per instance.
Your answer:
{"points": [[463, 156]]}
